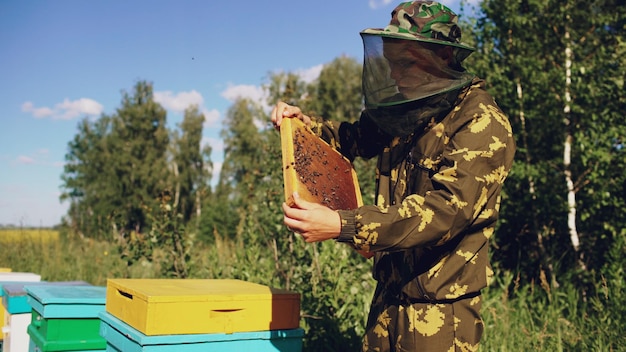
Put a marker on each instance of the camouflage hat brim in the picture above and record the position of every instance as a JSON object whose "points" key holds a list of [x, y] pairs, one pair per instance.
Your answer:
{"points": [[411, 36]]}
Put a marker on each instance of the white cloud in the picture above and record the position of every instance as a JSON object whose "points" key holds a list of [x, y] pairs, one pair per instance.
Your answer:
{"points": [[254, 93], [258, 94], [211, 117], [72, 109], [310, 74], [217, 156], [66, 110], [179, 102], [37, 112], [374, 4], [215, 176], [23, 159], [39, 158], [217, 145]]}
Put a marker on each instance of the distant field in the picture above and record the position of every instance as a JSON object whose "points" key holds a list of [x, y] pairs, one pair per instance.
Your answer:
{"points": [[14, 236]]}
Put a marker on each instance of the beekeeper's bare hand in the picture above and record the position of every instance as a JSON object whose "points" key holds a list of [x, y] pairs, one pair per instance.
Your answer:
{"points": [[313, 221], [283, 110]]}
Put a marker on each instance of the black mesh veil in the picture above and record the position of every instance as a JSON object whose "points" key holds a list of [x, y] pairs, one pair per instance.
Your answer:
{"points": [[397, 71]]}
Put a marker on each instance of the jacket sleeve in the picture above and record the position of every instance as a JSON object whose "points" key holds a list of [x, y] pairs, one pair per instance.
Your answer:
{"points": [[357, 139], [461, 195]]}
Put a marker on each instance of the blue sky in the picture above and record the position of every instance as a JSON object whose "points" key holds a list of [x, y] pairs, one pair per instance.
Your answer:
{"points": [[62, 61]]}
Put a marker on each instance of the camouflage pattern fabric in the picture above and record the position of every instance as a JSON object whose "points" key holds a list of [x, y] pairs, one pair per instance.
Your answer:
{"points": [[437, 203], [425, 327], [427, 18], [427, 21]]}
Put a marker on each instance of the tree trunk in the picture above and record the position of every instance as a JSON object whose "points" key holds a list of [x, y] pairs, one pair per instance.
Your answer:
{"points": [[567, 152], [177, 180]]}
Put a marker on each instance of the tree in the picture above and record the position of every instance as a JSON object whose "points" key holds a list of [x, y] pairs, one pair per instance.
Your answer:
{"points": [[191, 166], [336, 94], [116, 167], [138, 142], [555, 68], [287, 87], [85, 178]]}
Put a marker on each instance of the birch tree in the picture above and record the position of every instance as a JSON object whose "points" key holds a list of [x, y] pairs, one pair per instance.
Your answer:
{"points": [[191, 165], [555, 68]]}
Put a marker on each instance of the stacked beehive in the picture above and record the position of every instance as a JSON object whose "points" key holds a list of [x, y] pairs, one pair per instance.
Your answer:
{"points": [[51, 316], [14, 322], [65, 317], [186, 315], [2, 270]]}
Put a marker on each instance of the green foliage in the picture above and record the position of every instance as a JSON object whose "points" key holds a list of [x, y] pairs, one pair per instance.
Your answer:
{"points": [[337, 94], [521, 51], [251, 190], [191, 165], [169, 235], [131, 179], [116, 166], [606, 305], [85, 173], [138, 143], [287, 87], [336, 288], [219, 215]]}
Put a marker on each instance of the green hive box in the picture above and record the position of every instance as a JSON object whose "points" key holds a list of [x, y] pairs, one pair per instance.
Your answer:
{"points": [[65, 318]]}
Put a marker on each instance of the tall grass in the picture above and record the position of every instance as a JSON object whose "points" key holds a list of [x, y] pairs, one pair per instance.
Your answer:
{"points": [[64, 257], [542, 317], [526, 317]]}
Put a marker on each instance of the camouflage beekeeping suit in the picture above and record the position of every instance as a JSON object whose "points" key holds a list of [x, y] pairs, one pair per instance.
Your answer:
{"points": [[437, 202]]}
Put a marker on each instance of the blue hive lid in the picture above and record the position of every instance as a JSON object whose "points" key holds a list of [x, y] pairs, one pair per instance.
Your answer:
{"points": [[7, 283], [15, 299], [58, 301], [18, 288]]}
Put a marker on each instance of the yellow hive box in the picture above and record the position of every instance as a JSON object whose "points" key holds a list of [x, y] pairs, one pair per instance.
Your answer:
{"points": [[201, 306], [2, 270]]}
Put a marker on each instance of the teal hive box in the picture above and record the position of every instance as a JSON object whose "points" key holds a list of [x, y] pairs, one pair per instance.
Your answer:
{"points": [[3, 301], [14, 296], [121, 337], [66, 318], [13, 326]]}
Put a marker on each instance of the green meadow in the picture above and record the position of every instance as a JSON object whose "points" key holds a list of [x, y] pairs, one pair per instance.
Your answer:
{"points": [[530, 317]]}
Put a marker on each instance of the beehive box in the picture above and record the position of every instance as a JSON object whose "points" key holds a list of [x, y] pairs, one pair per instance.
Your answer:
{"points": [[315, 170], [19, 276], [15, 298], [199, 306], [8, 343], [14, 330], [121, 337], [66, 317], [2, 270], [9, 278]]}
